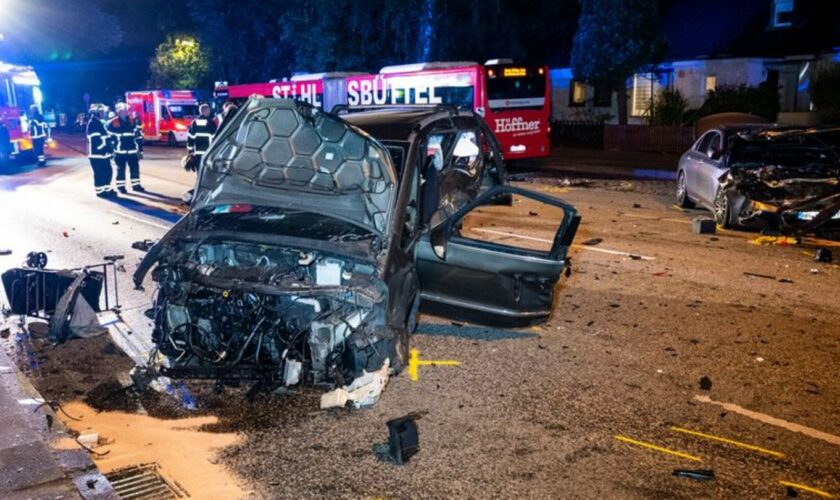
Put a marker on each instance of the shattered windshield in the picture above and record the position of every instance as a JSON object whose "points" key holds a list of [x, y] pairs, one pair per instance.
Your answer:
{"points": [[276, 221], [789, 149]]}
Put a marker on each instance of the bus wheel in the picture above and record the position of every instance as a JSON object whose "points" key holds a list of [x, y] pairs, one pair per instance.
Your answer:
{"points": [[172, 141]]}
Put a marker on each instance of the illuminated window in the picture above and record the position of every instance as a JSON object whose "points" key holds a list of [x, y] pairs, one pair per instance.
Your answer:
{"points": [[783, 13], [644, 86], [711, 82], [577, 94]]}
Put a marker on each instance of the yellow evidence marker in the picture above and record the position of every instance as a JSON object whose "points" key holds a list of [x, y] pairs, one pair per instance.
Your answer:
{"points": [[414, 364]]}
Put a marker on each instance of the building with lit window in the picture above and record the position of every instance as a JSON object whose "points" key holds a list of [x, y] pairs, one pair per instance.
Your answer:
{"points": [[721, 42]]}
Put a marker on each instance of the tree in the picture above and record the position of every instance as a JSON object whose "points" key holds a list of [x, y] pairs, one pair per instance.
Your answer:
{"points": [[179, 63], [615, 39], [825, 93]]}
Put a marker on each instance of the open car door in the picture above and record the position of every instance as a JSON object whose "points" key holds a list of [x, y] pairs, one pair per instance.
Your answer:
{"points": [[472, 268]]}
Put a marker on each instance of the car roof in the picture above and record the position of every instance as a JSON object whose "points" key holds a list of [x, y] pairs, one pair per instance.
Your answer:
{"points": [[397, 124]]}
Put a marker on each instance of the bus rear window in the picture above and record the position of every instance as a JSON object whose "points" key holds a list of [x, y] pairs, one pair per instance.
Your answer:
{"points": [[519, 92], [183, 110]]}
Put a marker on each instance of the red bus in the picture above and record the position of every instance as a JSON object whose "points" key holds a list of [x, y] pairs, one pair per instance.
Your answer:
{"points": [[19, 89], [513, 99]]}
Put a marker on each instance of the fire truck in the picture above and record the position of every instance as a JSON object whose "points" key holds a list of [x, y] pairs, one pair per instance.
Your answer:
{"points": [[165, 114], [19, 89], [513, 99]]}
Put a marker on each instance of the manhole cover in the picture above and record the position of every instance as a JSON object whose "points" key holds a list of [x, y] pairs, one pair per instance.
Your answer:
{"points": [[144, 482]]}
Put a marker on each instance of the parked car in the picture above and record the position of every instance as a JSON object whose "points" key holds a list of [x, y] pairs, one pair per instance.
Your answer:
{"points": [[305, 253], [765, 176]]}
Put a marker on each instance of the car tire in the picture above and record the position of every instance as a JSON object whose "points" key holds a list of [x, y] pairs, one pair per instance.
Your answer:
{"points": [[682, 192], [411, 321], [723, 210], [171, 140]]}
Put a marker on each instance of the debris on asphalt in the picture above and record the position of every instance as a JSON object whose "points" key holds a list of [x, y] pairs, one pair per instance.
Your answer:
{"points": [[785, 280], [66, 234], [635, 257], [115, 223], [775, 240], [636, 205], [143, 245], [403, 438], [703, 225], [757, 275], [705, 383], [533, 214], [37, 260], [698, 474], [661, 273], [5, 251], [364, 391], [592, 242], [814, 270], [823, 255]]}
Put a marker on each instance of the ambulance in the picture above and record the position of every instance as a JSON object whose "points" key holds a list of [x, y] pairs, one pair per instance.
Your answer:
{"points": [[19, 89], [165, 114]]}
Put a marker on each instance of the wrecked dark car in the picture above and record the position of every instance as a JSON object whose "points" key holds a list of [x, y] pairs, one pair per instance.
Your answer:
{"points": [[766, 177], [296, 263]]}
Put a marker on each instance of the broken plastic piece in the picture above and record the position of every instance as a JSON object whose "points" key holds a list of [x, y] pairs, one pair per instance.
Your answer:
{"points": [[703, 225], [291, 371], [403, 438], [698, 474], [143, 245], [592, 242], [823, 255], [705, 383], [363, 391]]}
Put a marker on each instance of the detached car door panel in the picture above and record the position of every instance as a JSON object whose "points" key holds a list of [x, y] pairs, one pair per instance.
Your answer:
{"points": [[502, 282]]}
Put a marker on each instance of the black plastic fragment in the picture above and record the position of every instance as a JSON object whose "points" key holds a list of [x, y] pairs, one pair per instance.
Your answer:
{"points": [[697, 474], [403, 438], [823, 255], [705, 383]]}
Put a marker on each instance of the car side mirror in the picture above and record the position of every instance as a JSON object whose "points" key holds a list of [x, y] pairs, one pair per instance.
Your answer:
{"points": [[439, 241]]}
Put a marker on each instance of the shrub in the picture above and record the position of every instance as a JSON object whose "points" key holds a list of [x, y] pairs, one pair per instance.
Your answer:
{"points": [[762, 101], [825, 93], [668, 108]]}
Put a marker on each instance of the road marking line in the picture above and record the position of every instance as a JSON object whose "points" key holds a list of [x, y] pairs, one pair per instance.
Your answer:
{"points": [[809, 489], [729, 441], [138, 219], [767, 419], [658, 448], [543, 240]]}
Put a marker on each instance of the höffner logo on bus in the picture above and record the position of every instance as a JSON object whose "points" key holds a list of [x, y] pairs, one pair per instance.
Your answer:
{"points": [[390, 91], [516, 125]]}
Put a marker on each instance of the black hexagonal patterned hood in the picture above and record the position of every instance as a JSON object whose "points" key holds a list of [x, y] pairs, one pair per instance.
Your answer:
{"points": [[281, 153]]}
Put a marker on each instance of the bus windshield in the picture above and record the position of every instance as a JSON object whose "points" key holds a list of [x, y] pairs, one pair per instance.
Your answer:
{"points": [[518, 92]]}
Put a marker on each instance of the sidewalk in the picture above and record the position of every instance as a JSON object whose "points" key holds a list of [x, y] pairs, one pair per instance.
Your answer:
{"points": [[31, 463], [601, 163]]}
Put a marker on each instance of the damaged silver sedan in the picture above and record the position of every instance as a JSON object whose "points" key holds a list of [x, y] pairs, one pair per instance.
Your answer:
{"points": [[296, 263], [765, 177]]}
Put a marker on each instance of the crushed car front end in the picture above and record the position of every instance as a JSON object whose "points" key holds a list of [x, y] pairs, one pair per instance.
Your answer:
{"points": [[277, 273], [789, 181]]}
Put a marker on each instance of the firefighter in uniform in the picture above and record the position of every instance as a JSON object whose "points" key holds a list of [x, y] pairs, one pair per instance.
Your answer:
{"points": [[99, 152], [138, 132], [200, 134], [38, 133], [199, 137], [123, 133]]}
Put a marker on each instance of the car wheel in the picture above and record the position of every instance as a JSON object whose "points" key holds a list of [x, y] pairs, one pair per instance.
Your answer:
{"points": [[411, 321], [723, 210], [172, 141], [682, 192]]}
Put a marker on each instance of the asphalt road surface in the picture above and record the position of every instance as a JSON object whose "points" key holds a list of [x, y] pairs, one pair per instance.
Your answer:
{"points": [[603, 401]]}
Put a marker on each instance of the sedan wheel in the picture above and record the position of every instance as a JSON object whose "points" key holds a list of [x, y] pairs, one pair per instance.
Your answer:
{"points": [[723, 210], [682, 192]]}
